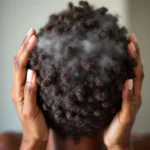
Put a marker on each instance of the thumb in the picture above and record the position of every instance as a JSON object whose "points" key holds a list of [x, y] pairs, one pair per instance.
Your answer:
{"points": [[30, 108], [127, 114]]}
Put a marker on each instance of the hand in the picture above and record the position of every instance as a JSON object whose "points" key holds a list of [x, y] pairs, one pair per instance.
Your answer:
{"points": [[117, 135], [24, 95]]}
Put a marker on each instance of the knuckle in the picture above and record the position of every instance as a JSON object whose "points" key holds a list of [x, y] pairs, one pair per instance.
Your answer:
{"points": [[19, 99], [28, 114], [131, 97], [17, 63], [13, 95], [28, 89]]}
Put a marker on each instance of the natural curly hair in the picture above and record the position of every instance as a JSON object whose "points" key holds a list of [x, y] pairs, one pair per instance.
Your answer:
{"points": [[81, 62]]}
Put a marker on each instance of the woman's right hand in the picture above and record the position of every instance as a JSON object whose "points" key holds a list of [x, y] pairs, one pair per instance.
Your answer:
{"points": [[35, 130], [117, 135]]}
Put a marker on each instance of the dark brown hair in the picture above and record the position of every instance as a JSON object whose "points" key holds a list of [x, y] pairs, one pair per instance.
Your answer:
{"points": [[82, 63]]}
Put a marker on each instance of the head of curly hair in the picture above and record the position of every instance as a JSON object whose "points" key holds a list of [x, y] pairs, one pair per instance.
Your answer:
{"points": [[81, 62]]}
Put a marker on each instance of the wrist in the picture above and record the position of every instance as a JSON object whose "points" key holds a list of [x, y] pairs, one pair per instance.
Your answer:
{"points": [[32, 144]]}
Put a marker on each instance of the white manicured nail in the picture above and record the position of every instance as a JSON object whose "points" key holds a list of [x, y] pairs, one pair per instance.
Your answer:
{"points": [[132, 46], [29, 75], [130, 84], [31, 39]]}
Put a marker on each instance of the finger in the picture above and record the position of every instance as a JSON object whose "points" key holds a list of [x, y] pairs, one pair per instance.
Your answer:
{"points": [[132, 50], [23, 45], [30, 108], [132, 38], [138, 71], [21, 63], [128, 110], [135, 46], [133, 54], [24, 56], [20, 74], [25, 41]]}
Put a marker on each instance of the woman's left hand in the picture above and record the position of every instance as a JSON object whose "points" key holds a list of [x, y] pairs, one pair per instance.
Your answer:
{"points": [[117, 136], [35, 130]]}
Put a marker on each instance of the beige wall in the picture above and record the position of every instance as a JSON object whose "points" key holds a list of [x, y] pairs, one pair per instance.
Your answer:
{"points": [[140, 24], [17, 16]]}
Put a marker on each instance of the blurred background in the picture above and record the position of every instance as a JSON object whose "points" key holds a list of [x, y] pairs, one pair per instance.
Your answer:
{"points": [[17, 16]]}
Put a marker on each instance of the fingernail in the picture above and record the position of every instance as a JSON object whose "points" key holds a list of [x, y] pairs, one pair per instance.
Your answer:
{"points": [[134, 37], [29, 75], [130, 84], [31, 39], [132, 46], [29, 32]]}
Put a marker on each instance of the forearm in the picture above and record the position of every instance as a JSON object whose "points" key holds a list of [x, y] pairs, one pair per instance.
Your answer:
{"points": [[32, 145]]}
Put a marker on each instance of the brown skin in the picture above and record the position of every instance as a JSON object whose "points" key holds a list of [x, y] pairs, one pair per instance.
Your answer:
{"points": [[35, 131], [118, 134]]}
